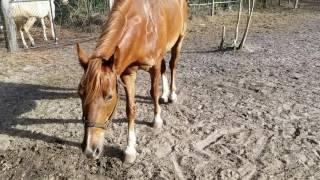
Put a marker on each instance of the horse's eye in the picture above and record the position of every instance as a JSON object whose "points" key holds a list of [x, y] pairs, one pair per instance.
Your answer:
{"points": [[108, 97]]}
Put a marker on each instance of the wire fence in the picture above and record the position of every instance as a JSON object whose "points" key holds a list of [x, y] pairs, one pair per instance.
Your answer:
{"points": [[81, 19]]}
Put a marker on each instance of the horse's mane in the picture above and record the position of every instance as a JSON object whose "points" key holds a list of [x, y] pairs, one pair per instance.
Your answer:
{"points": [[92, 80], [112, 30], [109, 38]]}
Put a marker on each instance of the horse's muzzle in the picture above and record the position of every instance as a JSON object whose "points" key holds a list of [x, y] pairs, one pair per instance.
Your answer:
{"points": [[93, 141]]}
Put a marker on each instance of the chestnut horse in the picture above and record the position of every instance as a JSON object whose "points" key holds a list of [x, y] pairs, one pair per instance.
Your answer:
{"points": [[136, 36]]}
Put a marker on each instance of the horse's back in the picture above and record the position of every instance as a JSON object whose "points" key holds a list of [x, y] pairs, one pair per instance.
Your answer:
{"points": [[167, 18], [174, 13], [30, 9]]}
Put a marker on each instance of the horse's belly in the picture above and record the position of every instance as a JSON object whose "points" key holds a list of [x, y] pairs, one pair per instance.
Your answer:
{"points": [[171, 43]]}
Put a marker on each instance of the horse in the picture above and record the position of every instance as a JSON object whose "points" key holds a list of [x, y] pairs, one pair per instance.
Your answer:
{"points": [[26, 14], [137, 35]]}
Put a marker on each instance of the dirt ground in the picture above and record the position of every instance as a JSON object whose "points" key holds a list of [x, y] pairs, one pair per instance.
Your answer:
{"points": [[252, 114]]}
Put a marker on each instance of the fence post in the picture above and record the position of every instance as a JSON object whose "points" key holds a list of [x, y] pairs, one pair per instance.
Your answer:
{"points": [[10, 28], [110, 4], [212, 10], [53, 24]]}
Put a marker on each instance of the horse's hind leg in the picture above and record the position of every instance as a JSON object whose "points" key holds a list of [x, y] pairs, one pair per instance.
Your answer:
{"points": [[155, 93], [175, 53], [44, 29], [27, 27], [22, 38], [129, 81], [165, 85]]}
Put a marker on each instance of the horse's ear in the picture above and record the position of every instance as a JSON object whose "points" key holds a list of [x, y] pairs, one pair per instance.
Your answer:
{"points": [[108, 62], [83, 57]]}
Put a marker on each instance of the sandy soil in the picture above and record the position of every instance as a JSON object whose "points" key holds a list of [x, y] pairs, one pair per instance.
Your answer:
{"points": [[252, 114]]}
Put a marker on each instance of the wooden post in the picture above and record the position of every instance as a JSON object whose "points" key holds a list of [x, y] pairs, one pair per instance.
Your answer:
{"points": [[110, 4], [212, 10], [223, 36], [10, 28]]}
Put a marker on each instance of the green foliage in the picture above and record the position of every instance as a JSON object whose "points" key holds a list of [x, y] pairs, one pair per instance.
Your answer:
{"points": [[84, 12]]}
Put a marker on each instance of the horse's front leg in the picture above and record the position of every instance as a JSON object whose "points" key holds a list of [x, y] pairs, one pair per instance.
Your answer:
{"points": [[129, 81], [155, 93]]}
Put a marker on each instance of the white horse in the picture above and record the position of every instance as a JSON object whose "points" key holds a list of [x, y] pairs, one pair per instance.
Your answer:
{"points": [[26, 14]]}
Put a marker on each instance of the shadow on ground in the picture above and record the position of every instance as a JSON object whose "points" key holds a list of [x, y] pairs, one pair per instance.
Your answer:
{"points": [[17, 99]]}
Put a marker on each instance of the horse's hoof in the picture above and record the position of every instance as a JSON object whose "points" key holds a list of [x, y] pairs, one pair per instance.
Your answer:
{"points": [[164, 100], [130, 155], [173, 98], [33, 45], [157, 124]]}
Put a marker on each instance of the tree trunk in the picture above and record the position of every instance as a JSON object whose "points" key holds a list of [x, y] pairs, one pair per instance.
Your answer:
{"points": [[296, 4], [10, 28], [237, 26], [248, 25], [265, 3], [212, 8]]}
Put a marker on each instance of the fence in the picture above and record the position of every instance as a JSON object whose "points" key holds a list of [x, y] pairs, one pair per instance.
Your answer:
{"points": [[210, 5], [77, 17]]}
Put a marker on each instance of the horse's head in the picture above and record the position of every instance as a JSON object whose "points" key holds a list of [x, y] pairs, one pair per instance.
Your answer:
{"points": [[99, 96]]}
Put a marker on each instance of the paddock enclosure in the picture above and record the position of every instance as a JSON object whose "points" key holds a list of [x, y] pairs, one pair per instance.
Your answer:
{"points": [[249, 114]]}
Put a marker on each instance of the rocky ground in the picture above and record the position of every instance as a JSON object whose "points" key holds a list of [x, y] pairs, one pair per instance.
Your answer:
{"points": [[251, 114]]}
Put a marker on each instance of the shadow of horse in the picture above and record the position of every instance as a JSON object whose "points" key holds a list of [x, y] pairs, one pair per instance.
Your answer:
{"points": [[17, 99]]}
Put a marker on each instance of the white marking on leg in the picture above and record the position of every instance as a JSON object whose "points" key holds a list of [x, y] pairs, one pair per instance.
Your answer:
{"points": [[44, 30], [132, 139], [27, 27], [157, 120], [130, 152], [173, 97], [23, 40], [165, 88]]}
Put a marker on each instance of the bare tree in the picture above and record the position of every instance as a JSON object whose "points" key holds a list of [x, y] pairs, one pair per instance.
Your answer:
{"points": [[237, 26], [296, 4], [250, 10]]}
